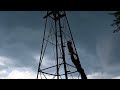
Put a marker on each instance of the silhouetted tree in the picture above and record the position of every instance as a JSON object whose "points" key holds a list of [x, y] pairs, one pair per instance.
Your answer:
{"points": [[116, 21]]}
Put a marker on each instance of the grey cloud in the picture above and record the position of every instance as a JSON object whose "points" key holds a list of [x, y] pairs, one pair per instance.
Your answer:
{"points": [[21, 36], [109, 52], [87, 26], [31, 19], [21, 45]]}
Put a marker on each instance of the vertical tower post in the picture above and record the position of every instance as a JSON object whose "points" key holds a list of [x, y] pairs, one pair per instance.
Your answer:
{"points": [[62, 46], [55, 20]]}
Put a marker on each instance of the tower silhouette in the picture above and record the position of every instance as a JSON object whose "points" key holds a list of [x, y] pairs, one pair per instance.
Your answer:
{"points": [[58, 58]]}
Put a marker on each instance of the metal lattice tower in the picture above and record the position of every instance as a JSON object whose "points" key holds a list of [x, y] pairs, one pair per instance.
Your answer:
{"points": [[59, 58]]}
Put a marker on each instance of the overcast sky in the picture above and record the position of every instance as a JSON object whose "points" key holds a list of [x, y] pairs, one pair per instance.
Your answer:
{"points": [[21, 36]]}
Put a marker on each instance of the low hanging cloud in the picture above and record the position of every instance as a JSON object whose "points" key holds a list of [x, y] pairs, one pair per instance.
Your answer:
{"points": [[18, 73], [10, 71], [99, 75], [4, 60]]}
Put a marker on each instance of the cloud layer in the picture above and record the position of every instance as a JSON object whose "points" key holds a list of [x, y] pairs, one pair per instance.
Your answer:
{"points": [[21, 35]]}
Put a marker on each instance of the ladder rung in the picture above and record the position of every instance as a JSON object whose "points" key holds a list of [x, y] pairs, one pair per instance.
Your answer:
{"points": [[68, 71], [61, 57]]}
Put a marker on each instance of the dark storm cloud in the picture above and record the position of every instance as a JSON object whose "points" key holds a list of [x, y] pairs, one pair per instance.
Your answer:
{"points": [[21, 45], [109, 52], [21, 36], [87, 27], [31, 19]]}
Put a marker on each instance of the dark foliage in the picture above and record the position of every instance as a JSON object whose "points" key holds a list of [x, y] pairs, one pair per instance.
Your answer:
{"points": [[116, 21]]}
